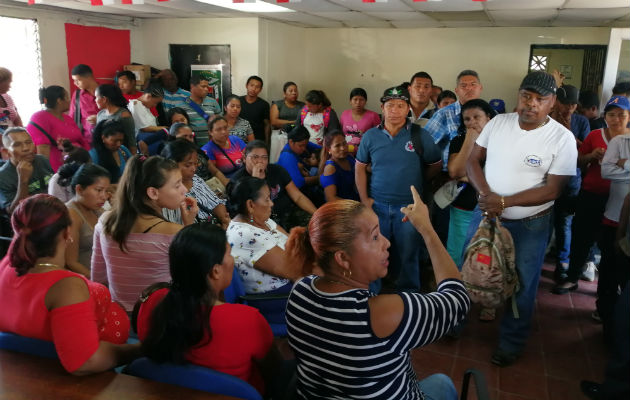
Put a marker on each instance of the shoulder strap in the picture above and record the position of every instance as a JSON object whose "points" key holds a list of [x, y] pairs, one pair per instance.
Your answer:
{"points": [[327, 116], [197, 109], [303, 114], [225, 154], [52, 142], [415, 140], [77, 109], [153, 226]]}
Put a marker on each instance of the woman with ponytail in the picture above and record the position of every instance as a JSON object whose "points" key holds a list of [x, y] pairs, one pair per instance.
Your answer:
{"points": [[188, 323], [349, 342], [131, 242], [42, 300], [113, 106], [49, 128]]}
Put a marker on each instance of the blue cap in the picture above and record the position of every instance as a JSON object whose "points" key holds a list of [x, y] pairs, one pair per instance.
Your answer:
{"points": [[618, 101], [498, 105]]}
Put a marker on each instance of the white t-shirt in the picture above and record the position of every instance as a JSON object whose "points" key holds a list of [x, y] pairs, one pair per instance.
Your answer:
{"points": [[314, 124], [142, 116], [249, 244], [517, 160]]}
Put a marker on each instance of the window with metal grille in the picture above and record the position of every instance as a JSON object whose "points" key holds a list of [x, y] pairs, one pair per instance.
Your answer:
{"points": [[538, 63]]}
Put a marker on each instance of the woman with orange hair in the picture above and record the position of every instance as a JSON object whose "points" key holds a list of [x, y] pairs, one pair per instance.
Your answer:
{"points": [[349, 342]]}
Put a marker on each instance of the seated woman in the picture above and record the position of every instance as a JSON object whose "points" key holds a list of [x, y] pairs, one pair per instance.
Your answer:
{"points": [[230, 338], [9, 115], [108, 150], [338, 177], [59, 184], [357, 120], [349, 342], [131, 242], [177, 114], [147, 129], [286, 111], [113, 105], [238, 126], [181, 130], [224, 150], [49, 128], [42, 300], [292, 158], [257, 241], [284, 194], [184, 153], [317, 116], [89, 184]]}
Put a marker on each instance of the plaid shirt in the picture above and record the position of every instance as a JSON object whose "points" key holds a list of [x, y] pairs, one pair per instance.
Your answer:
{"points": [[443, 128]]}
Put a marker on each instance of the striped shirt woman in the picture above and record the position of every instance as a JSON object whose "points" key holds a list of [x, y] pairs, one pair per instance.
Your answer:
{"points": [[338, 354]]}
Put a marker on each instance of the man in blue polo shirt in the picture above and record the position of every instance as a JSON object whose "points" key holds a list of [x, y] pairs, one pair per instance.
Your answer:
{"points": [[396, 165]]}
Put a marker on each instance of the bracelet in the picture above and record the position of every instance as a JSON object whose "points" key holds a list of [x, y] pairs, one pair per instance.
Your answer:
{"points": [[502, 203]]}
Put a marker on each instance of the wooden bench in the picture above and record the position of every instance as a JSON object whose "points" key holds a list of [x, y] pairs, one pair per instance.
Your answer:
{"points": [[26, 377]]}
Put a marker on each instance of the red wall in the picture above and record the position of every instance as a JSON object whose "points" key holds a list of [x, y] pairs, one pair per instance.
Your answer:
{"points": [[105, 50]]}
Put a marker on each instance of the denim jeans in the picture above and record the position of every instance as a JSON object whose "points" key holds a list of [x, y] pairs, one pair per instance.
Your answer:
{"points": [[407, 245], [530, 242], [563, 211], [438, 387]]}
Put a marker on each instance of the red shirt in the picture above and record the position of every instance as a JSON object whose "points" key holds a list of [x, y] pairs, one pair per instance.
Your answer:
{"points": [[88, 107], [593, 181], [240, 335], [76, 330]]}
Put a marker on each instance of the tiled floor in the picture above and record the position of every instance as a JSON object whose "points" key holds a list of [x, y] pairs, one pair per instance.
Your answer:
{"points": [[565, 347]]}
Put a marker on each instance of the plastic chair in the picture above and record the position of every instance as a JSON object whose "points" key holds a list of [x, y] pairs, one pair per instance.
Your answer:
{"points": [[22, 344], [193, 377], [481, 388], [235, 293]]}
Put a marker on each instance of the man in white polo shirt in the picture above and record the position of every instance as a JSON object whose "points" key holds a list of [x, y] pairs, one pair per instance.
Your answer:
{"points": [[528, 158]]}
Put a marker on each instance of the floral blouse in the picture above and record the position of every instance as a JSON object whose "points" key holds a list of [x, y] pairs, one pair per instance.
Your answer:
{"points": [[249, 244]]}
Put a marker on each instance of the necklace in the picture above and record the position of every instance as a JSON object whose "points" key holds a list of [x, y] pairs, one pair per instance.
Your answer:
{"points": [[334, 281], [543, 123], [49, 265]]}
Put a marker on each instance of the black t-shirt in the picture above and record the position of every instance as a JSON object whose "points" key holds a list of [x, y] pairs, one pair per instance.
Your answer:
{"points": [[256, 113], [467, 199], [277, 178]]}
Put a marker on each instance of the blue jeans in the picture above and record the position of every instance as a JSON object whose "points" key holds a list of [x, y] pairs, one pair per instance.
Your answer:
{"points": [[530, 242], [438, 387], [407, 244], [457, 228]]}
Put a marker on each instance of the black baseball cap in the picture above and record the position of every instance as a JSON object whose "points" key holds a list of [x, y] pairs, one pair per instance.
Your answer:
{"points": [[539, 82], [568, 94], [395, 93]]}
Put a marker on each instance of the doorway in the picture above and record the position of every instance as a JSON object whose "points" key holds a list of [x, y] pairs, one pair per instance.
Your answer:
{"points": [[184, 55], [581, 65]]}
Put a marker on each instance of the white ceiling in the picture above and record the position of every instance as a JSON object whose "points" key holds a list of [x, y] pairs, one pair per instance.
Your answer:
{"points": [[391, 14]]}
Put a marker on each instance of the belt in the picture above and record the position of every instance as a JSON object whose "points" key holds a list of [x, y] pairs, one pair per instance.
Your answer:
{"points": [[537, 215]]}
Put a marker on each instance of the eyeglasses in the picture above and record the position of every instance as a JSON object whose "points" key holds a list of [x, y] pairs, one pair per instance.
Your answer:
{"points": [[256, 157]]}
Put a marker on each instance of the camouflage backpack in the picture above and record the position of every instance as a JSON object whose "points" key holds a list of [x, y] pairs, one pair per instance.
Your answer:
{"points": [[489, 269]]}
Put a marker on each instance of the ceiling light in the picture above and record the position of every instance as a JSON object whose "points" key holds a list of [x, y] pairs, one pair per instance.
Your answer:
{"points": [[254, 7]]}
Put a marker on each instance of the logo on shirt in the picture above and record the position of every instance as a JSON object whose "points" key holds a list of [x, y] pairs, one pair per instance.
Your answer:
{"points": [[533, 161], [409, 147], [274, 191]]}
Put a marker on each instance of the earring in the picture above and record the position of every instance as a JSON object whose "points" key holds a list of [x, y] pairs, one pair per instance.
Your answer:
{"points": [[251, 218], [349, 273], [70, 240]]}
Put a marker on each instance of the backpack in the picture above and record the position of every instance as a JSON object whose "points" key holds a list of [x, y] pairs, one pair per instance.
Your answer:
{"points": [[489, 268]]}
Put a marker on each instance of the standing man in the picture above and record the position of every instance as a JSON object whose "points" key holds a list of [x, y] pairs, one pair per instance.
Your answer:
{"points": [[200, 108], [174, 96], [564, 112], [396, 165], [528, 158], [25, 174], [256, 110], [420, 89], [83, 108]]}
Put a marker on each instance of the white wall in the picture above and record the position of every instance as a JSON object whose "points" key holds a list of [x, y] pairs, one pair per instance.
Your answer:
{"points": [[240, 33], [336, 60]]}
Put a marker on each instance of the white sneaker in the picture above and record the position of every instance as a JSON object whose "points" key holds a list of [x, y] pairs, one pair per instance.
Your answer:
{"points": [[588, 272]]}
